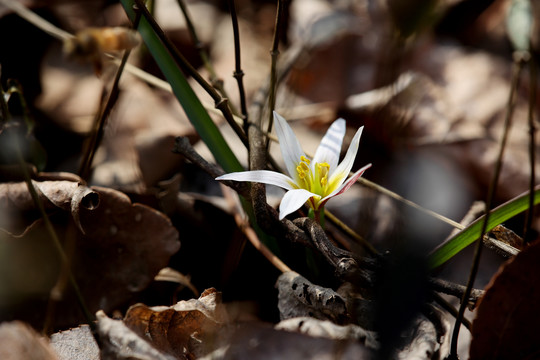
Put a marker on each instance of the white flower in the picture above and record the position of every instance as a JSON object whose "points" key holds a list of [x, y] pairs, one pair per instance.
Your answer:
{"points": [[313, 181]]}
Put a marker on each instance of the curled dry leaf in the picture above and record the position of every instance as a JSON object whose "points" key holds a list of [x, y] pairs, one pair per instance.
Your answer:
{"points": [[116, 248], [63, 194], [120, 342], [506, 324], [179, 330], [298, 297], [18, 341]]}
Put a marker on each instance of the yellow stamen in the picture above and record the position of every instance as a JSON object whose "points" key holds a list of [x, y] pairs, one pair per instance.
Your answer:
{"points": [[323, 169]]}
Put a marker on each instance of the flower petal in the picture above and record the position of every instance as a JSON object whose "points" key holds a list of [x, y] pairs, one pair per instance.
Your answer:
{"points": [[343, 169], [330, 146], [289, 145], [350, 181], [293, 200], [261, 176]]}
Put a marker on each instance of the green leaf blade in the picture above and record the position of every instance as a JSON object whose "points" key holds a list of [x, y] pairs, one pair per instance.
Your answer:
{"points": [[461, 240]]}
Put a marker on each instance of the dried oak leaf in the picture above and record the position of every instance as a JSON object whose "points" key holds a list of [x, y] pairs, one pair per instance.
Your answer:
{"points": [[67, 195], [506, 324], [124, 247], [116, 251], [178, 330], [120, 342]]}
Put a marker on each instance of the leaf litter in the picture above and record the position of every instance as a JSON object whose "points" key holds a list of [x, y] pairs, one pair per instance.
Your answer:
{"points": [[444, 99]]}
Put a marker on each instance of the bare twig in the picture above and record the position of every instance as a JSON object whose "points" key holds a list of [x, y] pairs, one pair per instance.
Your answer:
{"points": [[238, 72], [457, 290], [517, 66], [220, 102], [216, 82], [451, 309], [274, 53], [243, 224], [532, 146], [102, 116]]}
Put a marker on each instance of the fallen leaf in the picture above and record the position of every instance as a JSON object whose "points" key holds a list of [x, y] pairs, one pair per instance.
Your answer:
{"points": [[116, 247], [507, 317], [120, 342], [179, 330]]}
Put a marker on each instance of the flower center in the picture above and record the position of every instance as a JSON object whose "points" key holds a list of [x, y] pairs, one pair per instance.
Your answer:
{"points": [[315, 182]]}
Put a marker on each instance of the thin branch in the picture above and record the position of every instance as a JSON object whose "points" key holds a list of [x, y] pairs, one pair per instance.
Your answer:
{"points": [[370, 248], [532, 146], [457, 290], [220, 102], [216, 82], [103, 115], [183, 147], [274, 53], [238, 72], [517, 66], [451, 309], [243, 224]]}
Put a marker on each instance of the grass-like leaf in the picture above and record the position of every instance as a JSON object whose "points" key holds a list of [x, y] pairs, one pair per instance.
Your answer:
{"points": [[191, 104], [461, 240]]}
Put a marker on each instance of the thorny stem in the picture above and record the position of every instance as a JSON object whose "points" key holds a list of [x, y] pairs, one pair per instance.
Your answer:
{"points": [[103, 115], [238, 73], [220, 102], [532, 145], [274, 53], [517, 66], [48, 225], [216, 82]]}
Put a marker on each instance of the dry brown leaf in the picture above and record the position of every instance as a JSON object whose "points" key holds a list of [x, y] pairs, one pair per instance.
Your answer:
{"points": [[66, 195], [116, 252], [179, 330], [120, 342], [506, 324]]}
